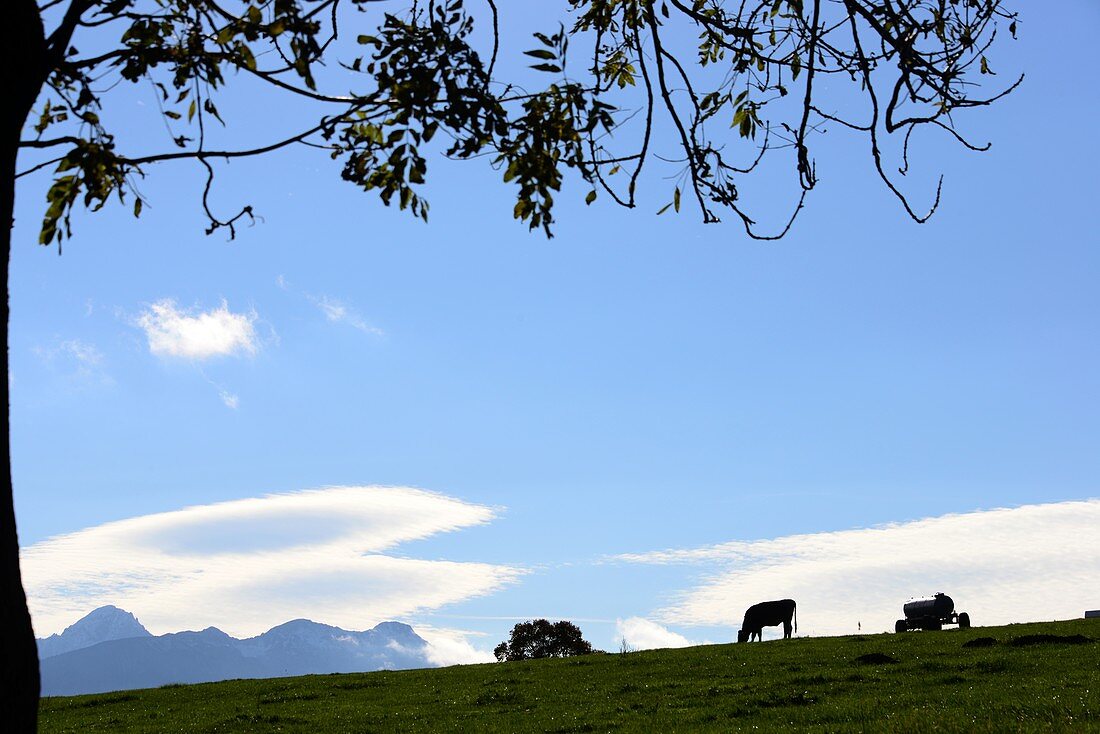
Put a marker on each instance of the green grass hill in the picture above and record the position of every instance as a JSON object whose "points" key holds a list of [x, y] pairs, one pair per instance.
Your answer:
{"points": [[1027, 677]]}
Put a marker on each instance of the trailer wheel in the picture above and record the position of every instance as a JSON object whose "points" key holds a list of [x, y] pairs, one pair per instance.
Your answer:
{"points": [[900, 626], [964, 621]]}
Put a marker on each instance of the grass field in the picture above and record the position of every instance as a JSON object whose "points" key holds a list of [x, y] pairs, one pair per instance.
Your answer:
{"points": [[1033, 677]]}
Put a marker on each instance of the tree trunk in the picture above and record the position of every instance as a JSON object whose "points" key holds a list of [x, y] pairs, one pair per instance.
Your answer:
{"points": [[18, 653], [22, 52]]}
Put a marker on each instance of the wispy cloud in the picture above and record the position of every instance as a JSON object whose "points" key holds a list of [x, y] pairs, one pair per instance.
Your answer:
{"points": [[78, 359], [638, 633], [1004, 565], [196, 334], [247, 565], [335, 311], [339, 312]]}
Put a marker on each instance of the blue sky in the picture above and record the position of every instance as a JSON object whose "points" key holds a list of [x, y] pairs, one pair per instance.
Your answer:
{"points": [[636, 384]]}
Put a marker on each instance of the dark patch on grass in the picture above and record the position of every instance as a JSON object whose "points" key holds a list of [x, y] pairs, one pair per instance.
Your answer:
{"points": [[992, 666], [104, 701], [265, 719], [578, 729], [777, 700], [980, 642], [283, 698], [936, 666], [740, 712], [859, 638], [722, 691], [951, 680], [497, 696], [359, 684], [1045, 639], [811, 680], [876, 658]]}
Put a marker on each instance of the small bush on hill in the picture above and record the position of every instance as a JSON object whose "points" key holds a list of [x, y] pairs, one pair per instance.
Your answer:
{"points": [[542, 639]]}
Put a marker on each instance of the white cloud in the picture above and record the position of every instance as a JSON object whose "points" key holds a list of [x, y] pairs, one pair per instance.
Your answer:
{"points": [[452, 647], [247, 565], [198, 335], [639, 633], [230, 400], [1006, 565]]}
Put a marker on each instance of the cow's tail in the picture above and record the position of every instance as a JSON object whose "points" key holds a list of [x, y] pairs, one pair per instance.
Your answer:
{"points": [[796, 618]]}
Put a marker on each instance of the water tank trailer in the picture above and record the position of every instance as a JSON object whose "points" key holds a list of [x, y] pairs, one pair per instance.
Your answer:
{"points": [[931, 613]]}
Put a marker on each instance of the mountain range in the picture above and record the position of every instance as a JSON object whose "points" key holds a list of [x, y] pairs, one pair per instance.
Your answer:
{"points": [[109, 650]]}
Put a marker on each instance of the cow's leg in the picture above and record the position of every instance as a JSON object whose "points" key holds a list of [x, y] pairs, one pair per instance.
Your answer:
{"points": [[787, 630]]}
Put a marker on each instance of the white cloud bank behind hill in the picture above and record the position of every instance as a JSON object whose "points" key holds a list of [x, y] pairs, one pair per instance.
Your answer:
{"points": [[1036, 562], [638, 633], [247, 565]]}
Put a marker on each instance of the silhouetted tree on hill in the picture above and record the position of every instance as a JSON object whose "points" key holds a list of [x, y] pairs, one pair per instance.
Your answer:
{"points": [[543, 639], [710, 90]]}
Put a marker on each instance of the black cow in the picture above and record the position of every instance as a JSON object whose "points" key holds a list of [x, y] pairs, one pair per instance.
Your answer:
{"points": [[768, 614]]}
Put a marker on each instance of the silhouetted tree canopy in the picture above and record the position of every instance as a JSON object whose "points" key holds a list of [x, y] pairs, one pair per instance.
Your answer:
{"points": [[543, 639], [724, 84]]}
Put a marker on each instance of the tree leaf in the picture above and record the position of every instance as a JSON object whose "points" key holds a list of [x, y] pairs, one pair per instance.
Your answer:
{"points": [[247, 58]]}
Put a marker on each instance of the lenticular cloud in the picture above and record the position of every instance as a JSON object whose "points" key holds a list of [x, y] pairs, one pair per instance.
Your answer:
{"points": [[1036, 562], [247, 565]]}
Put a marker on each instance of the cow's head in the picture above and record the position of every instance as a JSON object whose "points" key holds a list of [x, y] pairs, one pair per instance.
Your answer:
{"points": [[742, 635]]}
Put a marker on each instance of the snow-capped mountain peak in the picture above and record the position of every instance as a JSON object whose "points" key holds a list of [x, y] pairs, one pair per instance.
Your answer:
{"points": [[100, 625]]}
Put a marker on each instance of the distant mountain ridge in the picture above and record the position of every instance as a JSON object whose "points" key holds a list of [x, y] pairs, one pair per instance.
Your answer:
{"points": [[109, 650]]}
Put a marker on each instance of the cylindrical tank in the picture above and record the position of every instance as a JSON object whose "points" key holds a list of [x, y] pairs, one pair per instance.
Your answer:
{"points": [[938, 607]]}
